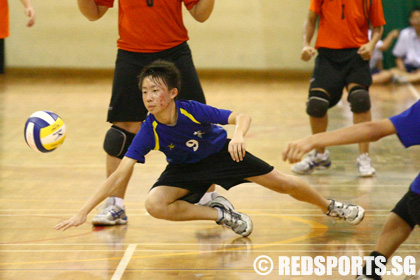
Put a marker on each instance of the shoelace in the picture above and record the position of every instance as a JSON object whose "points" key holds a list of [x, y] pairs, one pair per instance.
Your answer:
{"points": [[343, 212], [233, 222], [106, 209]]}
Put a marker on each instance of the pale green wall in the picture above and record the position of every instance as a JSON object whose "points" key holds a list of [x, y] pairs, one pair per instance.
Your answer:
{"points": [[241, 34]]}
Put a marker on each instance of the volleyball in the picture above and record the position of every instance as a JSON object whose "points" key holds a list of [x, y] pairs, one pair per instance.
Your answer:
{"points": [[44, 131]]}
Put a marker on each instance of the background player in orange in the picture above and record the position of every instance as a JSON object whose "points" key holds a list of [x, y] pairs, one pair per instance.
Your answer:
{"points": [[4, 25], [148, 30], [343, 57]]}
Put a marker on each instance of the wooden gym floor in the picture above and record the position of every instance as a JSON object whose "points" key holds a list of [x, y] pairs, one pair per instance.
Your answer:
{"points": [[38, 190]]}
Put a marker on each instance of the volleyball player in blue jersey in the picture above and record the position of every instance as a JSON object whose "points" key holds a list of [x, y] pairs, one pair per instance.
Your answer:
{"points": [[199, 154], [406, 214]]}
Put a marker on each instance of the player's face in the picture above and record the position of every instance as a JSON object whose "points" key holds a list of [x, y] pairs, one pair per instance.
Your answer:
{"points": [[415, 20], [156, 96]]}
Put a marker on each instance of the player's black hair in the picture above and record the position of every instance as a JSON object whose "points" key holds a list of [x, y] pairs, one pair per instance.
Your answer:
{"points": [[415, 9], [161, 70]]}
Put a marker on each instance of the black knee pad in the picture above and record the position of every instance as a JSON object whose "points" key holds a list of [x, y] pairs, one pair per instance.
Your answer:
{"points": [[359, 100], [117, 141], [317, 104]]}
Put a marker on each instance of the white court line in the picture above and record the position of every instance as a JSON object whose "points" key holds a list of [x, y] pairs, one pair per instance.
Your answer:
{"points": [[135, 215], [413, 91], [216, 249], [197, 244], [124, 262]]}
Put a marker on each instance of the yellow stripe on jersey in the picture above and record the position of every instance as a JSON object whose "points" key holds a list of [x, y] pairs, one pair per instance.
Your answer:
{"points": [[51, 128], [156, 136], [188, 115]]}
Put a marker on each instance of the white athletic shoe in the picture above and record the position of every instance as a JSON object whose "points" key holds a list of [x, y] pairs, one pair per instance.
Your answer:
{"points": [[205, 200], [364, 165], [110, 215], [352, 214], [312, 162], [236, 221]]}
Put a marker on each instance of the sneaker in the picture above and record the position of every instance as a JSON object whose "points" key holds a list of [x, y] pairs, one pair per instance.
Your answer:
{"points": [[364, 165], [353, 214], [238, 222], [205, 201], [312, 162], [110, 215]]}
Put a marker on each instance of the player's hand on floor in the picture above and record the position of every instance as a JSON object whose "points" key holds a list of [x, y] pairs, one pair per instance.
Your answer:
{"points": [[74, 221]]}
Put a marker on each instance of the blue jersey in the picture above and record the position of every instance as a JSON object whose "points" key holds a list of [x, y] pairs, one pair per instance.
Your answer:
{"points": [[194, 137], [407, 125]]}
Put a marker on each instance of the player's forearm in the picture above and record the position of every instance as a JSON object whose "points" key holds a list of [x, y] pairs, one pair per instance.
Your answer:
{"points": [[363, 132], [309, 29], [400, 64], [202, 10], [243, 123], [376, 34], [107, 188], [90, 9], [26, 3]]}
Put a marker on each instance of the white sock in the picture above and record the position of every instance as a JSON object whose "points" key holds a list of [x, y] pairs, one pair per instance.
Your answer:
{"points": [[119, 202], [322, 156]]}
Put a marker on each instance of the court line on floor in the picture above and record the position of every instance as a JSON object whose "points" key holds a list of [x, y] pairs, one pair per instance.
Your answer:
{"points": [[124, 262], [317, 230], [179, 250], [198, 244]]}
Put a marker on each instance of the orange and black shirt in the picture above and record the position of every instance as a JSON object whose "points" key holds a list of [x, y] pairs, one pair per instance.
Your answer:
{"points": [[149, 26], [344, 24]]}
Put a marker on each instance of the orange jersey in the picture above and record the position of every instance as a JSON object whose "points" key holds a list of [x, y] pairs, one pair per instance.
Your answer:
{"points": [[4, 19], [150, 29], [344, 24]]}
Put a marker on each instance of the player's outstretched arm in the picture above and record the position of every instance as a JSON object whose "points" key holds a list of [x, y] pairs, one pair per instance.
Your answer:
{"points": [[91, 10], [112, 183], [202, 10], [362, 132], [237, 145]]}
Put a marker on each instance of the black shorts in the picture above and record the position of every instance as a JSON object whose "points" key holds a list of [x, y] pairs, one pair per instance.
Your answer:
{"points": [[408, 208], [126, 102], [335, 69], [217, 169]]}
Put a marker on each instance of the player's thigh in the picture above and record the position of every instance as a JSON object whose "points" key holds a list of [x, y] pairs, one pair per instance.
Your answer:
{"points": [[330, 77]]}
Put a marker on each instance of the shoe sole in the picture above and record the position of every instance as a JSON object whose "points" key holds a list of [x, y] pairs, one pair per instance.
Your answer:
{"points": [[322, 167], [358, 220], [109, 223], [249, 223], [367, 175]]}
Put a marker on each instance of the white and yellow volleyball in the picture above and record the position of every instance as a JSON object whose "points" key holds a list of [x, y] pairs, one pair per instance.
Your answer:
{"points": [[44, 131]]}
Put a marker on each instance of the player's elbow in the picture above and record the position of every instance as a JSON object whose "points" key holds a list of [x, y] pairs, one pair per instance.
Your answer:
{"points": [[201, 17]]}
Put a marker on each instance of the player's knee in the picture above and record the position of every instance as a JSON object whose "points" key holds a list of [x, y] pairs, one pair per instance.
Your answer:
{"points": [[155, 208], [117, 141], [318, 104], [359, 99]]}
